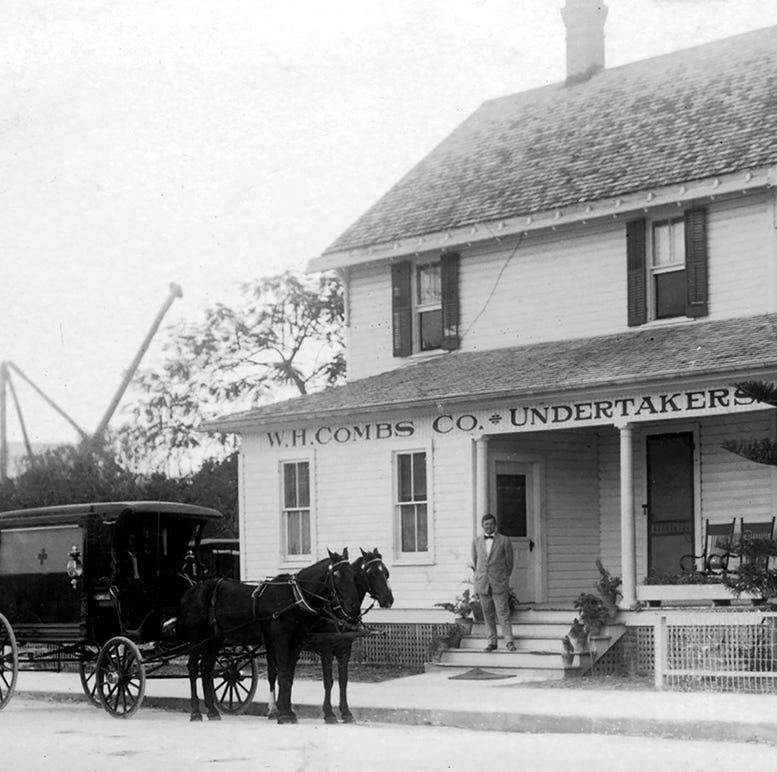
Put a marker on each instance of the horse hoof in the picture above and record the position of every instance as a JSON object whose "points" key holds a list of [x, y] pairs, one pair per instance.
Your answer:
{"points": [[287, 719], [195, 717], [349, 720], [330, 719], [214, 716]]}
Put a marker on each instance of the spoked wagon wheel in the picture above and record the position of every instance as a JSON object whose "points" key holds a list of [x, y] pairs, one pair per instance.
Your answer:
{"points": [[9, 662], [121, 677], [87, 669], [235, 678]]}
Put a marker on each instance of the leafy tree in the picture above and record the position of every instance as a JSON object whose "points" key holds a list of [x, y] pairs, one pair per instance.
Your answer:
{"points": [[283, 337], [90, 473]]}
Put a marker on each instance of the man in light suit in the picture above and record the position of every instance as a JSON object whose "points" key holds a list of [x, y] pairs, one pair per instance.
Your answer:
{"points": [[492, 558]]}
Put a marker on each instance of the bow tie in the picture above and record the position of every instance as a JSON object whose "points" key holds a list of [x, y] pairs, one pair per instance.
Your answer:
{"points": [[488, 537]]}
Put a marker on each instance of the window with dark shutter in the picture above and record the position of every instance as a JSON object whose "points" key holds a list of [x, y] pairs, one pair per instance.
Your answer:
{"points": [[450, 301], [401, 308], [696, 262], [636, 255]]}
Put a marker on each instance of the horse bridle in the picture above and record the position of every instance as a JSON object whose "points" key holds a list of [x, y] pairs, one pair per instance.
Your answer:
{"points": [[366, 571]]}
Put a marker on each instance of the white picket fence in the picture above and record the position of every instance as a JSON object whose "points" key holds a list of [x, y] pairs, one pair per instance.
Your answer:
{"points": [[716, 651]]}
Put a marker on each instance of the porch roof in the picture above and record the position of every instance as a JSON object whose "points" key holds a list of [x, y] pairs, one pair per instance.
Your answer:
{"points": [[735, 348]]}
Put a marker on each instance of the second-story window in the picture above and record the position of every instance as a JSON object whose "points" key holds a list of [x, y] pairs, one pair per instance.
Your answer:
{"points": [[666, 262], [429, 306], [668, 268], [425, 305]]}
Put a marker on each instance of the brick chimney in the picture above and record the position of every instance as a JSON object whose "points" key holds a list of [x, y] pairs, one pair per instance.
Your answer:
{"points": [[584, 20]]}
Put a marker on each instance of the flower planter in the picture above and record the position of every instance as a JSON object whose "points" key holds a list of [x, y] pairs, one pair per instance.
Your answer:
{"points": [[464, 624]]}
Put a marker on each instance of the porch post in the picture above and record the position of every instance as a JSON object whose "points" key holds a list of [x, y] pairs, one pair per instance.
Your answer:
{"points": [[481, 478], [628, 538]]}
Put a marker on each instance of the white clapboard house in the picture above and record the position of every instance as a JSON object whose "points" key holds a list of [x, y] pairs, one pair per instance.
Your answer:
{"points": [[547, 318]]}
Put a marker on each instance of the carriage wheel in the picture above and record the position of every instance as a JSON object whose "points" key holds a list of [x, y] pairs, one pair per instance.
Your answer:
{"points": [[87, 670], [121, 677], [9, 662], [235, 678]]}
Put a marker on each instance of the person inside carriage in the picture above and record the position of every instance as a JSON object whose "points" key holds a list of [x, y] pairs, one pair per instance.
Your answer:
{"points": [[132, 573]]}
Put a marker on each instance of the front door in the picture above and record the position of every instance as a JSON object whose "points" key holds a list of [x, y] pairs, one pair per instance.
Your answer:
{"points": [[670, 500], [513, 502]]}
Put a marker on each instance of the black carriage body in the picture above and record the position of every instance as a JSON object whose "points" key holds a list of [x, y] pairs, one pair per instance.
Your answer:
{"points": [[60, 567], [221, 557]]}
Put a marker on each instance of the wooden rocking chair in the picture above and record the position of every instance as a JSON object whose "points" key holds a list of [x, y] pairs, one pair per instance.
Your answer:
{"points": [[717, 549], [758, 530]]}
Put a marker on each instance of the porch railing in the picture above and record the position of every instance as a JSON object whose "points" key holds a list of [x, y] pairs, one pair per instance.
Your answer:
{"points": [[716, 651]]}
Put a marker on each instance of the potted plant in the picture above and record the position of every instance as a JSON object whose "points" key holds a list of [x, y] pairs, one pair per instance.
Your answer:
{"points": [[577, 637], [463, 607], [754, 576], [594, 614], [608, 587], [568, 654]]}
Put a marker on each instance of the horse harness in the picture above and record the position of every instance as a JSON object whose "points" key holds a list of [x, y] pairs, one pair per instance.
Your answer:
{"points": [[299, 600]]}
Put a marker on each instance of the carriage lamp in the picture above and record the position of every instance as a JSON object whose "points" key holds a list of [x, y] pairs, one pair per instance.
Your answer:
{"points": [[74, 566]]}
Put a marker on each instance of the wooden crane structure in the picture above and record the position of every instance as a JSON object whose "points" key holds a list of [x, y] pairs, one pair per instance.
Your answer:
{"points": [[7, 369]]}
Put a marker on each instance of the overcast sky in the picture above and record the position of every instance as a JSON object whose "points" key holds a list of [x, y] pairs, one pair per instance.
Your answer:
{"points": [[208, 143]]}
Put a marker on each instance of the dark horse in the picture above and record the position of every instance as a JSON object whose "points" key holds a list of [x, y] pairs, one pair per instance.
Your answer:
{"points": [[328, 639], [279, 613]]}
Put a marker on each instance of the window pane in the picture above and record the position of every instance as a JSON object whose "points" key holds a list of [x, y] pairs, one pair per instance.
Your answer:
{"points": [[670, 294], [293, 533], [303, 484], [405, 477], [431, 329], [419, 476], [289, 486], [407, 527], [423, 537], [678, 241], [511, 504], [661, 248], [429, 284], [305, 531]]}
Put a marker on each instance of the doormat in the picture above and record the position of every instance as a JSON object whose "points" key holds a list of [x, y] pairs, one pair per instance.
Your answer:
{"points": [[478, 674]]}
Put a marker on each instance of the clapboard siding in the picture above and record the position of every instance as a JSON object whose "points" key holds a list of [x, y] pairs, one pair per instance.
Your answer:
{"points": [[565, 284], [531, 301], [739, 268], [610, 500], [369, 335], [733, 486], [261, 524], [571, 507], [353, 500]]}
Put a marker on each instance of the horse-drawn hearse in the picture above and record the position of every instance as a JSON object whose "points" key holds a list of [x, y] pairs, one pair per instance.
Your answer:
{"points": [[99, 585], [118, 588]]}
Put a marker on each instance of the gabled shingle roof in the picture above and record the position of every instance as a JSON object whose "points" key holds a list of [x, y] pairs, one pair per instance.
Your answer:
{"points": [[729, 348], [693, 114]]}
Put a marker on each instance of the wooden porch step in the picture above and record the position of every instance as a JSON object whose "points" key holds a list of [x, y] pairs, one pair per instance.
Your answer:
{"points": [[534, 642]]}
